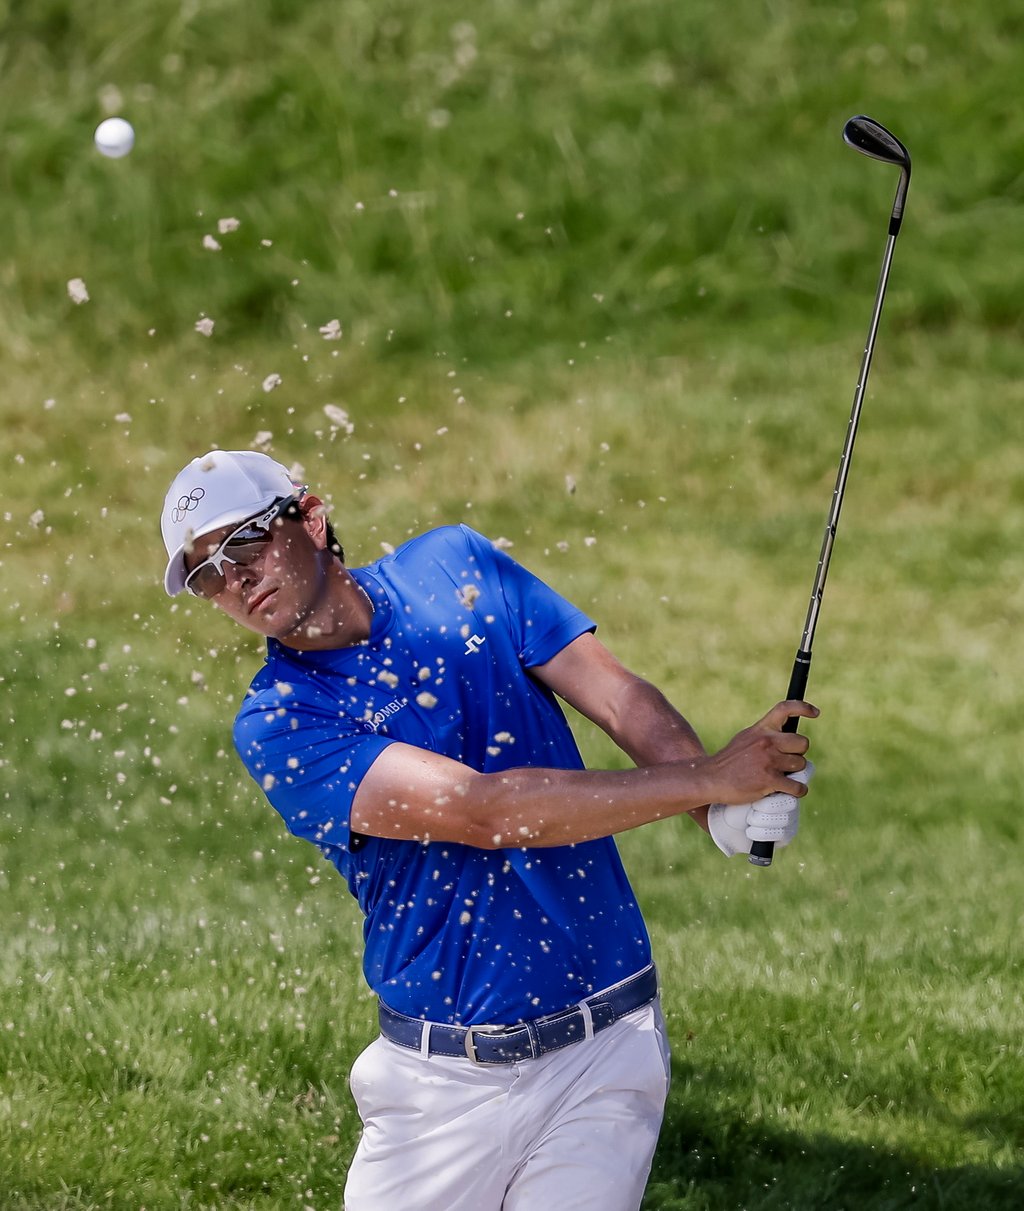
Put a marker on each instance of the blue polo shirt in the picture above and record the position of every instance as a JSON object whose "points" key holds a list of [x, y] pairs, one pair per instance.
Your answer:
{"points": [[452, 933]]}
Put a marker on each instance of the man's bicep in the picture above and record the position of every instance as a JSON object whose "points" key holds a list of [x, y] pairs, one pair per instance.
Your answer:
{"points": [[412, 794]]}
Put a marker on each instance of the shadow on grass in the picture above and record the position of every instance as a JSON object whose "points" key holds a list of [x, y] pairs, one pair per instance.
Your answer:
{"points": [[710, 1159]]}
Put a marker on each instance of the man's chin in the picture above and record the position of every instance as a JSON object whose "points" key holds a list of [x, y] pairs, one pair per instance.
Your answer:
{"points": [[275, 621], [294, 629]]}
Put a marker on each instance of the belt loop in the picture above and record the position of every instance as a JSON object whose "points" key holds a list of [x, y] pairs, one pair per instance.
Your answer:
{"points": [[425, 1041], [588, 1020]]}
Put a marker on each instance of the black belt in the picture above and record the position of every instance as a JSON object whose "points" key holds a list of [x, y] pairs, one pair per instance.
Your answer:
{"points": [[528, 1040]]}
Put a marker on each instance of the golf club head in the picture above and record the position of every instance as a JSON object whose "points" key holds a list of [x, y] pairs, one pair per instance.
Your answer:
{"points": [[871, 138]]}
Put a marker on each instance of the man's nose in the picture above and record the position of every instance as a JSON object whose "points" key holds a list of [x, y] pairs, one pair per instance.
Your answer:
{"points": [[237, 575]]}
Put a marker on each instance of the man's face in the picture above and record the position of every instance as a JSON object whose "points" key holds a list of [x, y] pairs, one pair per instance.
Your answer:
{"points": [[278, 590]]}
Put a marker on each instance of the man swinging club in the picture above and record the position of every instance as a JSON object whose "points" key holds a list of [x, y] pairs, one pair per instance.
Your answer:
{"points": [[406, 723]]}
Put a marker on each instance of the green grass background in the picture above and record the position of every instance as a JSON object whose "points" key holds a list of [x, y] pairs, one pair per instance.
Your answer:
{"points": [[622, 244]]}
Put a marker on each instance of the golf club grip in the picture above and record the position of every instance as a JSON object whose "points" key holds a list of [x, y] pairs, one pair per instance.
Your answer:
{"points": [[761, 852]]}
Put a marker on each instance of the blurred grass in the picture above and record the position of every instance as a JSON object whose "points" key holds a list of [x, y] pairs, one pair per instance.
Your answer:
{"points": [[603, 275], [495, 184]]}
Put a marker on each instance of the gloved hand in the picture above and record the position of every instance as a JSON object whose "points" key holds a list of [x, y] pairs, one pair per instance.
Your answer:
{"points": [[774, 818]]}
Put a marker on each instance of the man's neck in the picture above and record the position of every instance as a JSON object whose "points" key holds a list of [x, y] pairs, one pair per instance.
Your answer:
{"points": [[341, 616]]}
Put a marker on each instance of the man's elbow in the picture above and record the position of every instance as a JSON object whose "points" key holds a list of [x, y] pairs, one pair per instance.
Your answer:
{"points": [[493, 816]]}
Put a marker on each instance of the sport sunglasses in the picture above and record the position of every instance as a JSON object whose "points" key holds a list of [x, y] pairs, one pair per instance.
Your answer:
{"points": [[242, 546]]}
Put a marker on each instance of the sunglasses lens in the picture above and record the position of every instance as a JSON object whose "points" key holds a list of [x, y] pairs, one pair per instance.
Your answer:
{"points": [[205, 581], [246, 552]]}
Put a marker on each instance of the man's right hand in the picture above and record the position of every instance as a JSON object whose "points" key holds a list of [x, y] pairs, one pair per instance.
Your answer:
{"points": [[759, 760]]}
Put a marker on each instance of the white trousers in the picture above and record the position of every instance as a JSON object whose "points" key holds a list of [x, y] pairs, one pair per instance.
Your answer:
{"points": [[572, 1131]]}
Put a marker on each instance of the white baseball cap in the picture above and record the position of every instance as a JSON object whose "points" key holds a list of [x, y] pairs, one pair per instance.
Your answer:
{"points": [[215, 490]]}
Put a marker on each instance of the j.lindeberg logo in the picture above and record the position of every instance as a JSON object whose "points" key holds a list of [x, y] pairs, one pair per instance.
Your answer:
{"points": [[186, 504]]}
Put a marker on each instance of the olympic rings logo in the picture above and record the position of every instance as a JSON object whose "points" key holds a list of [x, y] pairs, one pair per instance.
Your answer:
{"points": [[186, 504]]}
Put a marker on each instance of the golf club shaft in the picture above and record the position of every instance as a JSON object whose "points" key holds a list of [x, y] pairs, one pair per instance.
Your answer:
{"points": [[761, 851]]}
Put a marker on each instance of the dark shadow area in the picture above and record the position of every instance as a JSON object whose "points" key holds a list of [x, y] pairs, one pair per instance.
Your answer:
{"points": [[711, 1159]]}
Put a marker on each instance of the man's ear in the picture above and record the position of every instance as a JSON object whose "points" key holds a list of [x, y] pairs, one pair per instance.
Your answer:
{"points": [[314, 518]]}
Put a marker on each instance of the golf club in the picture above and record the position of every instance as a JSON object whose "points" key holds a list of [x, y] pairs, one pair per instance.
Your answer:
{"points": [[870, 138]]}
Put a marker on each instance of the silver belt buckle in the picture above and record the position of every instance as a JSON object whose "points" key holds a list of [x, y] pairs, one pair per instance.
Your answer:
{"points": [[471, 1046]]}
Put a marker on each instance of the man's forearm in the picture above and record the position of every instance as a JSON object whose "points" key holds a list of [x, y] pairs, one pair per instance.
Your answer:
{"points": [[537, 808], [649, 730]]}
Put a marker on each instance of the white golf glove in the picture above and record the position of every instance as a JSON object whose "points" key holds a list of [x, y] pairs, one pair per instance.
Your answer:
{"points": [[774, 818]]}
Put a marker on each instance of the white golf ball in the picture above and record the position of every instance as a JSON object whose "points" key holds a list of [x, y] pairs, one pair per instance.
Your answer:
{"points": [[114, 137]]}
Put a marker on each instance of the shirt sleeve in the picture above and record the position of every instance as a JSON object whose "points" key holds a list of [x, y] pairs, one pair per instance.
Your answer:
{"points": [[308, 760], [541, 621]]}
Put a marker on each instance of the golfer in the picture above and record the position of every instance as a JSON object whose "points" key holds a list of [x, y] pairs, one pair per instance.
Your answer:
{"points": [[406, 723]]}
